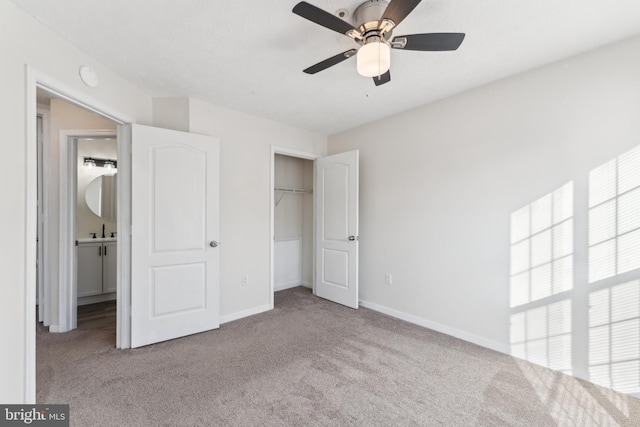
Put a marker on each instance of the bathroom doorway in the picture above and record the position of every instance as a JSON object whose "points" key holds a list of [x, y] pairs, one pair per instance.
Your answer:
{"points": [[70, 138], [96, 219]]}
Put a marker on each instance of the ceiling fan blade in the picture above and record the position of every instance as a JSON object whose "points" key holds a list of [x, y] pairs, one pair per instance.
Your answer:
{"points": [[398, 10], [330, 62], [429, 42], [385, 78], [321, 17]]}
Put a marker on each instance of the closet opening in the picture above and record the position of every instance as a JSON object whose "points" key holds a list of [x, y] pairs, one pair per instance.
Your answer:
{"points": [[292, 220]]}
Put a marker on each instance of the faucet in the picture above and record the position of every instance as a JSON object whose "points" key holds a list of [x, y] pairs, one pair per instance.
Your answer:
{"points": [[103, 236]]}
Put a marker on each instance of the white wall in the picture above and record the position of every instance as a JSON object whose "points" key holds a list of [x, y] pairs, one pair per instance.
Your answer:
{"points": [[245, 153], [23, 41], [439, 183]]}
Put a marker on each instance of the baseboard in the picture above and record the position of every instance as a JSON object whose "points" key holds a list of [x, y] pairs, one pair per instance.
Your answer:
{"points": [[244, 313], [55, 329], [483, 342], [287, 286], [293, 285], [93, 299]]}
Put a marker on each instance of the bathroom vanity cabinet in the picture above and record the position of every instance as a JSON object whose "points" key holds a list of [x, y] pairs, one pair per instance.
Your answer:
{"points": [[97, 268]]}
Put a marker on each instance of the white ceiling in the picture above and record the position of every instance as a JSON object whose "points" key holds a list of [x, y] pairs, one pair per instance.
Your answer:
{"points": [[249, 55]]}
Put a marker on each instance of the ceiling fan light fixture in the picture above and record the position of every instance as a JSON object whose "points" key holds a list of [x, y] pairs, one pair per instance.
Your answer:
{"points": [[373, 24], [374, 59]]}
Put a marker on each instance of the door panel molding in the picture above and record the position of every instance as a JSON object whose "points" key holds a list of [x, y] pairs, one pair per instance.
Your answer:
{"points": [[175, 214]]}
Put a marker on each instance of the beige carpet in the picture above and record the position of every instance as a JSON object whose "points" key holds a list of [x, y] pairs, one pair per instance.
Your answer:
{"points": [[310, 362]]}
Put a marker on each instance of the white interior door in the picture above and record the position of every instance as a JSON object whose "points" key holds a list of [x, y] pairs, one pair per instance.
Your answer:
{"points": [[336, 204], [175, 259]]}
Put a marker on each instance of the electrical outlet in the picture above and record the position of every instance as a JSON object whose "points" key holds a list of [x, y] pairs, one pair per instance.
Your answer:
{"points": [[388, 279], [245, 280]]}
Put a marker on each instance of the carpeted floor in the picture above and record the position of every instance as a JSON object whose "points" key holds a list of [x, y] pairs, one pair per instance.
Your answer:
{"points": [[310, 362]]}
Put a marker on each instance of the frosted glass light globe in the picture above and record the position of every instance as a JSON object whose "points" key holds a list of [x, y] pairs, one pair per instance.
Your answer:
{"points": [[374, 59]]}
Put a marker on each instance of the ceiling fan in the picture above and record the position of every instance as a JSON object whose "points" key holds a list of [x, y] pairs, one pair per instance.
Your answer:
{"points": [[374, 21]]}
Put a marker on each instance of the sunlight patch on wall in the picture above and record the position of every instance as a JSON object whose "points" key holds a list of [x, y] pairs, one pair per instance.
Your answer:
{"points": [[542, 247], [542, 266], [614, 217], [543, 297], [542, 335], [614, 337]]}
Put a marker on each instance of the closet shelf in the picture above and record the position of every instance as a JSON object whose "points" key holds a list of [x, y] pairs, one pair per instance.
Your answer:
{"points": [[284, 191]]}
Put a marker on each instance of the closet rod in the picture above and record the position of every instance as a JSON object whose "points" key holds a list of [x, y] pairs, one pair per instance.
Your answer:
{"points": [[289, 190], [293, 190]]}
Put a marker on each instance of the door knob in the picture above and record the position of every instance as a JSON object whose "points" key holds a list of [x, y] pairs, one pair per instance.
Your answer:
{"points": [[213, 244], [352, 238]]}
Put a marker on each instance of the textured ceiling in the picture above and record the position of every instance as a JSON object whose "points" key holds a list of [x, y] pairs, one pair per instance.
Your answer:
{"points": [[249, 55]]}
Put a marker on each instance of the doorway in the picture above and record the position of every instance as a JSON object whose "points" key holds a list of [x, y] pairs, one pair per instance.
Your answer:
{"points": [[293, 222], [96, 218], [292, 219], [334, 210], [192, 158], [47, 212], [67, 135], [37, 81]]}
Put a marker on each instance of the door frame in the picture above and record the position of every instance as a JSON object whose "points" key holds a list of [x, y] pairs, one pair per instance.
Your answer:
{"points": [[272, 234], [34, 80], [42, 152], [67, 283]]}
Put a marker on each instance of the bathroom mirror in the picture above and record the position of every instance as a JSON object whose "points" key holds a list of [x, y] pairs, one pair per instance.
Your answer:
{"points": [[102, 196]]}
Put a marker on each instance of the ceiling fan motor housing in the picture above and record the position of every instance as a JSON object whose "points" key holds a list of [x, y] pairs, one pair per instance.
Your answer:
{"points": [[366, 18]]}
